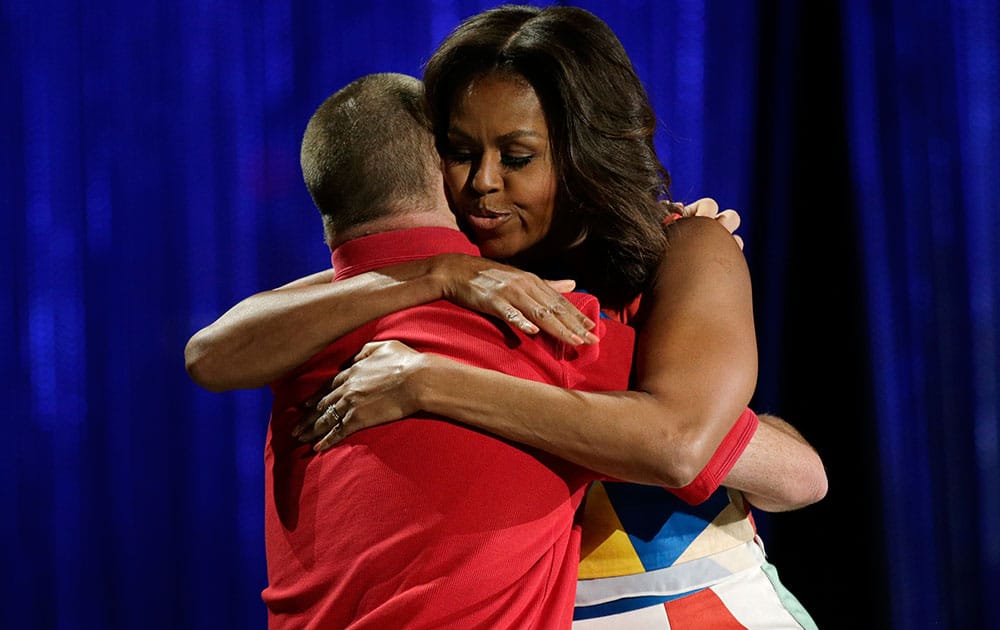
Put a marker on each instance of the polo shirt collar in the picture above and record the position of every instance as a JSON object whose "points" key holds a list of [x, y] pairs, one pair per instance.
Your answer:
{"points": [[396, 246]]}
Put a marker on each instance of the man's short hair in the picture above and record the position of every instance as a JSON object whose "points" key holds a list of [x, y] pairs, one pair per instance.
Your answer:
{"points": [[368, 151]]}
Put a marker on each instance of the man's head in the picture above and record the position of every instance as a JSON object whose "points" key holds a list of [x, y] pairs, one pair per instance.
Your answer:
{"points": [[368, 158]]}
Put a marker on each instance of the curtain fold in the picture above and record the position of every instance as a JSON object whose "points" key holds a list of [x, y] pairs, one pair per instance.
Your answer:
{"points": [[924, 91]]}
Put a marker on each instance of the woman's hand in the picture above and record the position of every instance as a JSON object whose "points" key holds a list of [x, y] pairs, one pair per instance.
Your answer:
{"points": [[376, 389], [520, 298]]}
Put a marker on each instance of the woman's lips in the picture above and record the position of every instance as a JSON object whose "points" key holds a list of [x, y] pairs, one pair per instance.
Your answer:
{"points": [[486, 220]]}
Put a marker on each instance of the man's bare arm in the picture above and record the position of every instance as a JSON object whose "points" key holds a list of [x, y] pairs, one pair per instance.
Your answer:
{"points": [[779, 470]]}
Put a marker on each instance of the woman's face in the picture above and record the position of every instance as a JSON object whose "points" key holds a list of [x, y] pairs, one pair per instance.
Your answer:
{"points": [[498, 165]]}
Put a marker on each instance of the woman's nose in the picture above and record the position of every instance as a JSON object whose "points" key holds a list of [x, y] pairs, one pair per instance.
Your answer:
{"points": [[487, 177]]}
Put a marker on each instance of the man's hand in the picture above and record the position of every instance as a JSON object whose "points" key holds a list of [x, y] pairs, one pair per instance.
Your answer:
{"points": [[708, 207]]}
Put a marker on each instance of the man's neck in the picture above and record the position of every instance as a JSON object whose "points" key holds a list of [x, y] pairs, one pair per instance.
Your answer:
{"points": [[415, 219]]}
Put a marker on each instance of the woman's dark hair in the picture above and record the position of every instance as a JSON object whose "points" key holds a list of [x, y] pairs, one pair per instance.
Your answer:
{"points": [[601, 127]]}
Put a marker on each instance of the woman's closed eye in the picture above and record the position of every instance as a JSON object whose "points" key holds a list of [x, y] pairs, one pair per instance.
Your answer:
{"points": [[512, 162], [516, 162], [459, 157]]}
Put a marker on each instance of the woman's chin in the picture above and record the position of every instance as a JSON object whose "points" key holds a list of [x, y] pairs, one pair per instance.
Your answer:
{"points": [[498, 248]]}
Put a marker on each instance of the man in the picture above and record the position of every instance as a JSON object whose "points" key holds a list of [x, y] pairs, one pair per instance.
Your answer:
{"points": [[420, 523]]}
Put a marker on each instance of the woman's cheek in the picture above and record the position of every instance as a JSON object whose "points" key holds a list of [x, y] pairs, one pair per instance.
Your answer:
{"points": [[454, 178]]}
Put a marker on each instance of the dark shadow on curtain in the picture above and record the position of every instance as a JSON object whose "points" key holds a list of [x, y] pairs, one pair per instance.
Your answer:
{"points": [[807, 270]]}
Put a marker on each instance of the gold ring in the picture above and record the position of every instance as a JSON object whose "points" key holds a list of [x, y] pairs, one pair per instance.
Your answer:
{"points": [[338, 420]]}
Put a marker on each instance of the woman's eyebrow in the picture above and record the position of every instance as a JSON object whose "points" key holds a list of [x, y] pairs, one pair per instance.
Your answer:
{"points": [[520, 133], [517, 134], [454, 132]]}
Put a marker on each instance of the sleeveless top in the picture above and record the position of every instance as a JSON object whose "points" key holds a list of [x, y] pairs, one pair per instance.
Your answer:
{"points": [[643, 546]]}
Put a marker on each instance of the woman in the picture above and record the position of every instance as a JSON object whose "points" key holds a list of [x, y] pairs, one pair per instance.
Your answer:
{"points": [[546, 135]]}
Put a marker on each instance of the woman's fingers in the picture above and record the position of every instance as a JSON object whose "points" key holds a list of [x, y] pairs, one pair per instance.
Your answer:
{"points": [[554, 315], [334, 435], [319, 422], [565, 311], [565, 321], [374, 390], [516, 319], [547, 308], [561, 286], [520, 298], [366, 351], [319, 416]]}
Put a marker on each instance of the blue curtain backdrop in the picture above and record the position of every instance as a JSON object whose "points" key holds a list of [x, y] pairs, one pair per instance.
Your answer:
{"points": [[149, 169], [924, 128]]}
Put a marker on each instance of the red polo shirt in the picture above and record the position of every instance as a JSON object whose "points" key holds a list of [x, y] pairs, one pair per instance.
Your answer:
{"points": [[425, 523]]}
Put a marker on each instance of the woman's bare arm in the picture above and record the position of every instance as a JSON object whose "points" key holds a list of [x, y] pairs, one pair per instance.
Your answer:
{"points": [[695, 372], [267, 334], [777, 471], [696, 351]]}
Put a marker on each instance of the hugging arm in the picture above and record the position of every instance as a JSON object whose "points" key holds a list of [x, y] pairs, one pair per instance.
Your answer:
{"points": [[695, 370], [268, 334], [778, 470]]}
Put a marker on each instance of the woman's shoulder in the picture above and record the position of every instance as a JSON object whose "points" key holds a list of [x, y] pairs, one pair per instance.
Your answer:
{"points": [[694, 242]]}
